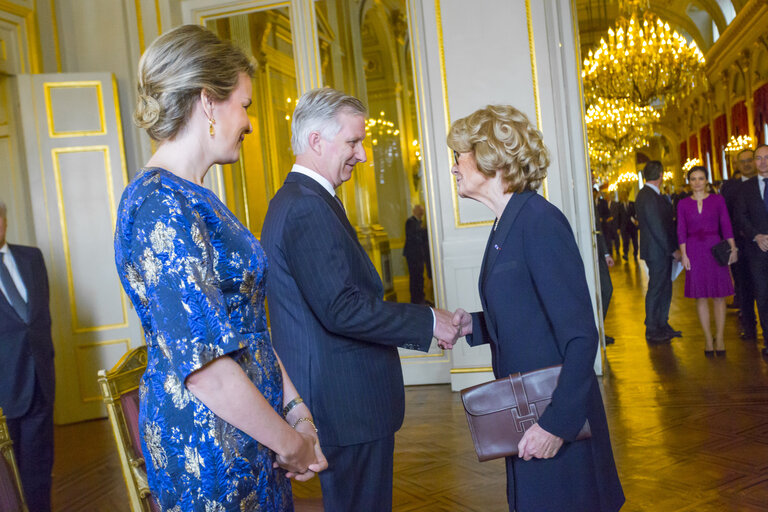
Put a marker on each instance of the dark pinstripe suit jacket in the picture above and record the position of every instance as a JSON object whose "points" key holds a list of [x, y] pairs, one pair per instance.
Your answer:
{"points": [[26, 349], [333, 331]]}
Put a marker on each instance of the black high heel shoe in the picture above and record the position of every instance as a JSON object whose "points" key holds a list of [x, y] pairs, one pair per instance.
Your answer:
{"points": [[709, 353], [720, 353]]}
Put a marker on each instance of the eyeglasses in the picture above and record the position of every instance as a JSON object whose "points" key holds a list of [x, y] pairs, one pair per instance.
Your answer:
{"points": [[760, 158], [456, 156]]}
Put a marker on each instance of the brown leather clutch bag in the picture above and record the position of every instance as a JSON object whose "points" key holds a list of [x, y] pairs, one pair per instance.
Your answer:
{"points": [[499, 412]]}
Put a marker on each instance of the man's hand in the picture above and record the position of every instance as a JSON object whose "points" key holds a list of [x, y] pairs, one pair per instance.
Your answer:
{"points": [[762, 242], [609, 261], [445, 332], [677, 255]]}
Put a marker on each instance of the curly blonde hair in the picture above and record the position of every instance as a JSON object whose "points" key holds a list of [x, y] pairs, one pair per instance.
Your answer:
{"points": [[175, 68], [501, 138]]}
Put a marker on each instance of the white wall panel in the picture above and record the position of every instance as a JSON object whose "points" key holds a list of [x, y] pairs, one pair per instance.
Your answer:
{"points": [[517, 52]]}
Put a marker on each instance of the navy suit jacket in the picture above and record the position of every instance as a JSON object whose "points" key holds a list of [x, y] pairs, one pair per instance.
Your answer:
{"points": [[730, 192], [658, 239], [751, 211], [26, 348], [331, 328], [416, 244], [537, 312]]}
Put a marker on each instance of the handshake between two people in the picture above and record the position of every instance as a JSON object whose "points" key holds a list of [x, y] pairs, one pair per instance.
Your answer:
{"points": [[449, 327]]}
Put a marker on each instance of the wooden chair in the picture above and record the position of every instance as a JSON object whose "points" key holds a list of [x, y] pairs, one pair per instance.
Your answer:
{"points": [[11, 492], [120, 392]]}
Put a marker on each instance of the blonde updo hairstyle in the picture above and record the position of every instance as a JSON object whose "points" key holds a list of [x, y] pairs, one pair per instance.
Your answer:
{"points": [[503, 140], [175, 68]]}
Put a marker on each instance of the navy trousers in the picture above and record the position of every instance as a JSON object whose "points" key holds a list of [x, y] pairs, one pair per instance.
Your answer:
{"points": [[32, 436], [659, 296], [745, 289], [359, 477]]}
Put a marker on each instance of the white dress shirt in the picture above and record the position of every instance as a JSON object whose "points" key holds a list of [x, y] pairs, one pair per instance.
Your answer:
{"points": [[653, 187], [14, 271], [306, 171]]}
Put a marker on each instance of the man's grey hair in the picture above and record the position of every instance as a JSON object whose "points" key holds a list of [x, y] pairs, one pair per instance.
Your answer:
{"points": [[317, 111], [3, 209]]}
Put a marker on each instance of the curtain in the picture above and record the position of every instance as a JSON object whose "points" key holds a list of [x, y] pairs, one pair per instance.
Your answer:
{"points": [[760, 99], [739, 119], [683, 152], [693, 146]]}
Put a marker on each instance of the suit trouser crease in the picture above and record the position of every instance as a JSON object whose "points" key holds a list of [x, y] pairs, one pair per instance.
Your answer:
{"points": [[659, 296], [359, 477], [416, 279], [745, 292], [32, 436], [758, 264]]}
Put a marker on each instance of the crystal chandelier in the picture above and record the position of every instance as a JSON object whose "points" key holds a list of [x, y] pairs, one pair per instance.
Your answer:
{"points": [[736, 144], [690, 164], [643, 61], [615, 128]]}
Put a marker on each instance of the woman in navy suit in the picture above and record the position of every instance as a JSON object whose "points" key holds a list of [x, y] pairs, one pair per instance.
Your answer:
{"points": [[536, 313]]}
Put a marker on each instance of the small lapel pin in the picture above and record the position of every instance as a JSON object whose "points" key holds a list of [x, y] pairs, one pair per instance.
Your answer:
{"points": [[497, 247]]}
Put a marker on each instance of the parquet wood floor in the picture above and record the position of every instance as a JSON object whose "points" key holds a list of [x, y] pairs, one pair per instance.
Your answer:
{"points": [[689, 433]]}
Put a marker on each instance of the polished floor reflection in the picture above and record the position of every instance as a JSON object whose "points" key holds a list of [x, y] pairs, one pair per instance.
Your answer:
{"points": [[689, 433]]}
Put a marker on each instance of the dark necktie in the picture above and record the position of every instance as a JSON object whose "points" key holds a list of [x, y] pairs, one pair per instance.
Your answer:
{"points": [[765, 192], [340, 204], [14, 297]]}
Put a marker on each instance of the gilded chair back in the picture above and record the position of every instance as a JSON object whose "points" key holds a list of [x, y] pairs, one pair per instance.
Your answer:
{"points": [[11, 493], [120, 392]]}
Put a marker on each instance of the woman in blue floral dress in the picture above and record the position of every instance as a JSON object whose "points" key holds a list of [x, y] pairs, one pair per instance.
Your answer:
{"points": [[217, 408]]}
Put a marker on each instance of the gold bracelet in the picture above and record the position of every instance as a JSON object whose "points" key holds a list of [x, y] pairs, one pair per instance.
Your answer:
{"points": [[308, 420], [293, 403]]}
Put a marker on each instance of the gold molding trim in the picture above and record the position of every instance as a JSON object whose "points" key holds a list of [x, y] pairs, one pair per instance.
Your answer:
{"points": [[534, 69], [55, 24], [55, 152], [139, 25], [441, 354], [119, 125], [159, 17], [478, 369], [82, 378], [443, 78], [12, 8], [31, 32], [19, 40], [52, 133], [248, 7], [535, 78], [446, 113]]}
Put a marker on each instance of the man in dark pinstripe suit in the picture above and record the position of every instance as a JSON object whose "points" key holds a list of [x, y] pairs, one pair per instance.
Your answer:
{"points": [[333, 331]]}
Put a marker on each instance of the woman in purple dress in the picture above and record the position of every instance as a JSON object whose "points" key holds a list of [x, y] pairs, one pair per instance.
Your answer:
{"points": [[702, 222]]}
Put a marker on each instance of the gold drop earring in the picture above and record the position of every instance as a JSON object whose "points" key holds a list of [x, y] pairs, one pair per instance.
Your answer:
{"points": [[211, 129]]}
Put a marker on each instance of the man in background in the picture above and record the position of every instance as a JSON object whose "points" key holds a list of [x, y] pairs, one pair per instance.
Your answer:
{"points": [[752, 215], [606, 209], [658, 248], [26, 365], [627, 220], [744, 298], [416, 252]]}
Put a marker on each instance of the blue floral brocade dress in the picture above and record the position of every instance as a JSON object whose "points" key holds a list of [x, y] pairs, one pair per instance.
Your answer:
{"points": [[196, 277]]}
